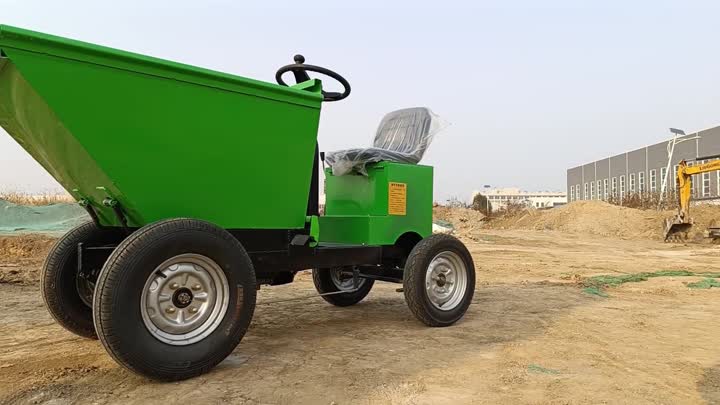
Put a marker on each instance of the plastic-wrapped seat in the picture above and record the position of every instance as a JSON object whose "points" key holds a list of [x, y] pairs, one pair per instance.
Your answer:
{"points": [[403, 136]]}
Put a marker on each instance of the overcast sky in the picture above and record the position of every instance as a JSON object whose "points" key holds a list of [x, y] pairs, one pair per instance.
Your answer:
{"points": [[530, 88]]}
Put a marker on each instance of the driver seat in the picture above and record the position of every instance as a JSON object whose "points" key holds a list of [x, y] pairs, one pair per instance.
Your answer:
{"points": [[402, 136]]}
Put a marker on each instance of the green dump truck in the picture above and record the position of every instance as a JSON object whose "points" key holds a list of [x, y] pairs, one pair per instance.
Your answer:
{"points": [[202, 186]]}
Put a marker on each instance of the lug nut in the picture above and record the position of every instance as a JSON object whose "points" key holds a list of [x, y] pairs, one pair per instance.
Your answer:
{"points": [[174, 286], [197, 287], [193, 310], [170, 310]]}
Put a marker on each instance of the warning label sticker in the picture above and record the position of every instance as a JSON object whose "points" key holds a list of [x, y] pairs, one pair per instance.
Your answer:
{"points": [[397, 198]]}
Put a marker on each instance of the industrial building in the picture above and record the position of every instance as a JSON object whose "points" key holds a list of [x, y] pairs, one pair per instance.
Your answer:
{"points": [[642, 170], [500, 197]]}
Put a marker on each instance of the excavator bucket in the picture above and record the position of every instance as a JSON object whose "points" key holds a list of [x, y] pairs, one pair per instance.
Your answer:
{"points": [[677, 228]]}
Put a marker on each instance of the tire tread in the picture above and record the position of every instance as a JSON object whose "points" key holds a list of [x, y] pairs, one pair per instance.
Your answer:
{"points": [[52, 267], [415, 267], [135, 244]]}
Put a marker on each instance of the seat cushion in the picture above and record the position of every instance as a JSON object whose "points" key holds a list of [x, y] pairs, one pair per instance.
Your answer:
{"points": [[402, 137], [348, 160]]}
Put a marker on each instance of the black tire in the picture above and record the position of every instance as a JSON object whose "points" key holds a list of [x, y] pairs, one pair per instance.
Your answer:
{"points": [[323, 280], [414, 280], [67, 297], [117, 307]]}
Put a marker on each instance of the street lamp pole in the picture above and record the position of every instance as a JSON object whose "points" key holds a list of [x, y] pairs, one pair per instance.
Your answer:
{"points": [[671, 150], [487, 199]]}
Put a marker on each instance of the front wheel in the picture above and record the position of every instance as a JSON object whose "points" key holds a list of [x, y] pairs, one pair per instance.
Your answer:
{"points": [[175, 299], [439, 280]]}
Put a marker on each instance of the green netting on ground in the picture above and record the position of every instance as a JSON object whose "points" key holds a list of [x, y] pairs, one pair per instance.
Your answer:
{"points": [[615, 280], [43, 219], [705, 284], [538, 369], [596, 285]]}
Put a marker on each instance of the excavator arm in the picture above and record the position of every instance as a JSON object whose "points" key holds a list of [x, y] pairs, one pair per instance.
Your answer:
{"points": [[678, 226]]}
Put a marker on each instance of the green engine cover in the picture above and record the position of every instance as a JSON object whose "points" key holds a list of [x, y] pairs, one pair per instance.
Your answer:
{"points": [[394, 199], [163, 139]]}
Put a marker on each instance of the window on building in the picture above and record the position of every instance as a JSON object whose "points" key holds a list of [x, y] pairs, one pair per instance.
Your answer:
{"points": [[663, 172], [694, 179], [586, 194], [632, 183], [572, 193], [706, 183], [674, 178], [622, 187], [599, 190], [653, 180], [592, 190], [605, 189], [641, 182], [577, 192], [614, 187]]}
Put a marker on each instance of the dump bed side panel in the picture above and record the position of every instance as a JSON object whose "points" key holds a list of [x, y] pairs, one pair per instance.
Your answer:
{"points": [[162, 146], [29, 120]]}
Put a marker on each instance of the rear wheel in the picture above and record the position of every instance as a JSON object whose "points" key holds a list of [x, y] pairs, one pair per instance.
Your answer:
{"points": [[67, 292], [339, 282], [439, 280], [175, 299]]}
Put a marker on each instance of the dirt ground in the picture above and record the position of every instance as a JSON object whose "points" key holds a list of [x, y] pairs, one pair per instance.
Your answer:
{"points": [[534, 334]]}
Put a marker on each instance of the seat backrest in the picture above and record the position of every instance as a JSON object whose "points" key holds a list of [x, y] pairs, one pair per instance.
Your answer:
{"points": [[406, 131]]}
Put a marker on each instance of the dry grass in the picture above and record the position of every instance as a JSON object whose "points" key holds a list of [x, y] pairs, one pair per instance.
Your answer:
{"points": [[24, 246], [510, 209], [646, 200], [35, 199], [21, 258]]}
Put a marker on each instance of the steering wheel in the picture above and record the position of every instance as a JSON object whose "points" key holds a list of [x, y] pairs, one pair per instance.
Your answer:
{"points": [[300, 69]]}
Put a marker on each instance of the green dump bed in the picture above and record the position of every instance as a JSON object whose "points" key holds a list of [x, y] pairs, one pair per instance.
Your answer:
{"points": [[162, 138]]}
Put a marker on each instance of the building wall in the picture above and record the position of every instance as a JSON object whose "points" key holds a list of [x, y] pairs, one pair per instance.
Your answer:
{"points": [[500, 197], [648, 164], [709, 145], [602, 174], [574, 176]]}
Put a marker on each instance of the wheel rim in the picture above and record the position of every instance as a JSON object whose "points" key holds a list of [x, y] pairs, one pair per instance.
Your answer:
{"points": [[185, 299], [85, 290], [446, 281], [343, 280]]}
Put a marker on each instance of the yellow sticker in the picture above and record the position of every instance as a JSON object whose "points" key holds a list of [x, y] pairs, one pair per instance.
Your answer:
{"points": [[397, 198]]}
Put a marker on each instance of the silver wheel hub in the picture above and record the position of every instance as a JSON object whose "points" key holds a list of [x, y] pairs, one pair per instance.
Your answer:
{"points": [[185, 299], [446, 281], [343, 279]]}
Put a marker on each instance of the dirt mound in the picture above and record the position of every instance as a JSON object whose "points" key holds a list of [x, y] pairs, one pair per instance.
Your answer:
{"points": [[21, 257], [601, 218], [464, 220]]}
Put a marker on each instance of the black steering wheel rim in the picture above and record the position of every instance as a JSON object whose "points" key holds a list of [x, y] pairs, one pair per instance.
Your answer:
{"points": [[300, 69]]}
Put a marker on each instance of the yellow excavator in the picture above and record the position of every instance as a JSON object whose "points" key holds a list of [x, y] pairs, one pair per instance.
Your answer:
{"points": [[677, 227]]}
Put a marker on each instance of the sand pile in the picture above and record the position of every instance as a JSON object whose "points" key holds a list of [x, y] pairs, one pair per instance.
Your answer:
{"points": [[464, 220], [21, 257], [601, 218]]}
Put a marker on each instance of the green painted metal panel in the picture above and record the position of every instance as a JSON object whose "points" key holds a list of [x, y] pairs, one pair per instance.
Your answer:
{"points": [[164, 139], [24, 112], [357, 207]]}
